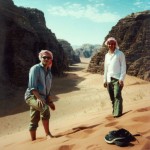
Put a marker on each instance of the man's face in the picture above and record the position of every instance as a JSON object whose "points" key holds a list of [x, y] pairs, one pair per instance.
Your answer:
{"points": [[46, 60], [111, 45]]}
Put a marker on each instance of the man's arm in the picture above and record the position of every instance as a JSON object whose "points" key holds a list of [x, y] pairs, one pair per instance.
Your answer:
{"points": [[50, 102], [123, 69], [105, 73]]}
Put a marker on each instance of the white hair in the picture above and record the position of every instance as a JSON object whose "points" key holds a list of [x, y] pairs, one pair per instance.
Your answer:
{"points": [[42, 52], [112, 39]]}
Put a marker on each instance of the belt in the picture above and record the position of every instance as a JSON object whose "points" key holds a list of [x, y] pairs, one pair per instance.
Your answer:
{"points": [[114, 79]]}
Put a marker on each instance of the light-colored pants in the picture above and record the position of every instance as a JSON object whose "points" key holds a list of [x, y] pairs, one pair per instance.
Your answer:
{"points": [[37, 112]]}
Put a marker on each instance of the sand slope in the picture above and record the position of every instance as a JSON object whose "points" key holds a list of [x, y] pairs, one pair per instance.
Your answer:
{"points": [[83, 115]]}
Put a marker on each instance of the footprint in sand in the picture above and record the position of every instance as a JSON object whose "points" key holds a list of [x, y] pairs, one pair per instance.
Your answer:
{"points": [[143, 109], [111, 124], [148, 137], [93, 147], [110, 118], [146, 146], [66, 147], [81, 134], [82, 131], [145, 119]]}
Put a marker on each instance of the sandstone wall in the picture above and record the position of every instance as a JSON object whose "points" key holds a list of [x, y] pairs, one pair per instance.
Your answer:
{"points": [[132, 34]]}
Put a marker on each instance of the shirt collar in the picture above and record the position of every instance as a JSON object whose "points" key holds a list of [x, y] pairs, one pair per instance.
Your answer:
{"points": [[114, 52], [43, 66]]}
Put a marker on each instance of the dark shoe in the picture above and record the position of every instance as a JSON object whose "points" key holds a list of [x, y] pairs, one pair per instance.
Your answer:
{"points": [[122, 142], [112, 137], [121, 137]]}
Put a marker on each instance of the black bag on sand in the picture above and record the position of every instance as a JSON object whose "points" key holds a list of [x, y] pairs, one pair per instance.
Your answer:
{"points": [[121, 137]]}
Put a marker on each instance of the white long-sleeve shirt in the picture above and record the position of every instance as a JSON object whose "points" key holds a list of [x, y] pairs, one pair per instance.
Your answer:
{"points": [[114, 66]]}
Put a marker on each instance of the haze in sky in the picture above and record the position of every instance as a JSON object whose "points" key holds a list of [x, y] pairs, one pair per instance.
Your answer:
{"points": [[84, 21]]}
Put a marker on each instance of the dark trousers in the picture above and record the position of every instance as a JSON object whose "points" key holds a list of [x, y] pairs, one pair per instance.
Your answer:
{"points": [[114, 90]]}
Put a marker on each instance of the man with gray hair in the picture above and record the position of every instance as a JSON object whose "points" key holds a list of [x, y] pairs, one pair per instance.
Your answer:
{"points": [[38, 96], [114, 75]]}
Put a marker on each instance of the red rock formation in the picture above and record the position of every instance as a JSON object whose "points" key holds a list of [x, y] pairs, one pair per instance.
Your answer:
{"points": [[132, 34]]}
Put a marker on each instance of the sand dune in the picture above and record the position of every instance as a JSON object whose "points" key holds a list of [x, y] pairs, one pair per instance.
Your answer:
{"points": [[83, 115]]}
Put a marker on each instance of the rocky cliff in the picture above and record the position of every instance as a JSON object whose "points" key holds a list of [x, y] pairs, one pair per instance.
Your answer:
{"points": [[87, 50], [23, 34], [70, 53], [132, 34]]}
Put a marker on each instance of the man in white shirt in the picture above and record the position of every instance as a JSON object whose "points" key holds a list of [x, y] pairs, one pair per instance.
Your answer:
{"points": [[114, 75]]}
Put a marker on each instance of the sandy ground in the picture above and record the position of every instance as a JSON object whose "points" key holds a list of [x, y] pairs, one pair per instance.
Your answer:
{"points": [[83, 115]]}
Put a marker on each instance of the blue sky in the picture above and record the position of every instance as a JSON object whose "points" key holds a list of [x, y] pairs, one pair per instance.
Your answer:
{"points": [[84, 21]]}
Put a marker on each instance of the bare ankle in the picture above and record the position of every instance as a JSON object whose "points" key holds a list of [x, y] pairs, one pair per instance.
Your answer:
{"points": [[49, 135], [33, 135]]}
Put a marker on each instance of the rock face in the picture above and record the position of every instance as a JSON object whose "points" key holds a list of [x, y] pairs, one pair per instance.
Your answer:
{"points": [[23, 34], [70, 53], [87, 50], [132, 34]]}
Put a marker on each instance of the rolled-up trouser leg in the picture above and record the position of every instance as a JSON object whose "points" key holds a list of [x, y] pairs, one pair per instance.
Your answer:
{"points": [[35, 118]]}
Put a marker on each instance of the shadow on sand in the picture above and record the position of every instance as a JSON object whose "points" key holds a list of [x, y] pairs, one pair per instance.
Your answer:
{"points": [[12, 101]]}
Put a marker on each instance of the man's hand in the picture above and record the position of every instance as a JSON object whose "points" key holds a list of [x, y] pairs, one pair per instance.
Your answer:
{"points": [[51, 105], [121, 83], [105, 84], [40, 102]]}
